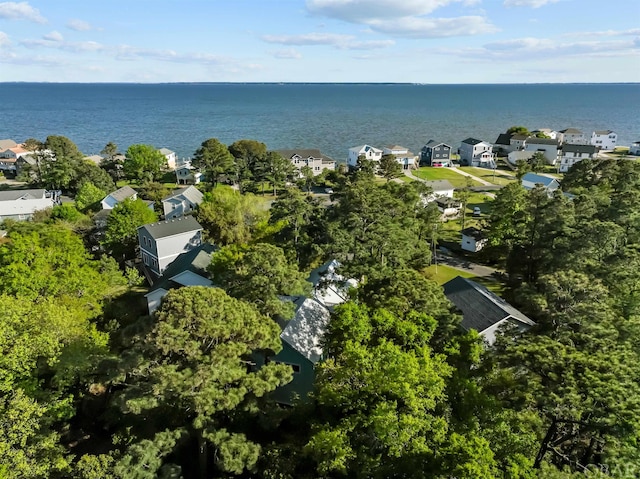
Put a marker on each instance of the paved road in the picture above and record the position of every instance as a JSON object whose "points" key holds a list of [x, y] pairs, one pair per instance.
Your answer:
{"points": [[465, 265]]}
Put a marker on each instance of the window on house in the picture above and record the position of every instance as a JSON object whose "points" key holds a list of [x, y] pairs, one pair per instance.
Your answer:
{"points": [[145, 259]]}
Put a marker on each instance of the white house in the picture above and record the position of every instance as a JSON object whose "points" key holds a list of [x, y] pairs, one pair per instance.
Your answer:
{"points": [[181, 202], [482, 310], [572, 154], [531, 180], [440, 188], [604, 139], [112, 199], [507, 143], [516, 156], [478, 153], [312, 158], [368, 152], [403, 156], [20, 205], [187, 174], [547, 146], [161, 243], [473, 239], [170, 156], [571, 136], [634, 149]]}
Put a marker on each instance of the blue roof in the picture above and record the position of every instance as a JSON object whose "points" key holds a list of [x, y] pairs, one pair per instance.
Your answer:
{"points": [[538, 179]]}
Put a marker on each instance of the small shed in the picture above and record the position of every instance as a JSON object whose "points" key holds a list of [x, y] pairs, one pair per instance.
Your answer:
{"points": [[473, 239]]}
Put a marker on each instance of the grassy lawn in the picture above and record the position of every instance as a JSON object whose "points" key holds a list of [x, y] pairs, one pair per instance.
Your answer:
{"points": [[428, 173], [442, 273], [488, 175]]}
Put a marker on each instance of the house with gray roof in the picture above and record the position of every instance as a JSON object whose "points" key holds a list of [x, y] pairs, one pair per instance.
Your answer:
{"points": [[572, 154], [435, 153], [482, 310], [181, 201], [20, 205], [474, 152], [95, 159], [403, 156], [310, 157], [368, 152], [604, 139], [571, 136], [439, 188], [161, 243], [188, 269], [112, 199], [170, 156], [547, 146]]}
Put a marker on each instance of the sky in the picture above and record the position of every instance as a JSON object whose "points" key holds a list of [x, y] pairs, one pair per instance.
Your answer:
{"points": [[413, 41]]}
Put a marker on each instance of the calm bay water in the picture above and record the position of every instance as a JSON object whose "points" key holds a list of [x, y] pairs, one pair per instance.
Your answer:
{"points": [[331, 117]]}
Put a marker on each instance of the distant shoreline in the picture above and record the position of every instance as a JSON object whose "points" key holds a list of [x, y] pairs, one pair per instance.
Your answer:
{"points": [[315, 83]]}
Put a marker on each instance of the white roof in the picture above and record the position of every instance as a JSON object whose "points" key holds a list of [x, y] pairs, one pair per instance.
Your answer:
{"points": [[189, 278], [305, 331], [363, 148]]}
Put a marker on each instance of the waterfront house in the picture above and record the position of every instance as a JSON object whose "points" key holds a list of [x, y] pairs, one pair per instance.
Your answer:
{"points": [[547, 146], [473, 239], [435, 154], [187, 174], [533, 180], [482, 310], [7, 144], [312, 158], [571, 136], [112, 199], [506, 143], [20, 205], [572, 154], [402, 155], [161, 243], [634, 149], [181, 201], [547, 132], [604, 139], [477, 153], [170, 156], [366, 151]]}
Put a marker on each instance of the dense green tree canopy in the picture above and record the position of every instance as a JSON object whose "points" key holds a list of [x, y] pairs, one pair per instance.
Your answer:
{"points": [[143, 163], [214, 159], [121, 234]]}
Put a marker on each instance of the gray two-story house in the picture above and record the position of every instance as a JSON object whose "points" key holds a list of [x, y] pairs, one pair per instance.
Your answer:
{"points": [[181, 201], [161, 243], [435, 154]]}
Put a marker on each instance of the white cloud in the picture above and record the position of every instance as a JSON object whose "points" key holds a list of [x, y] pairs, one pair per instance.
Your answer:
{"points": [[79, 25], [54, 36], [344, 42], [20, 11], [527, 3], [362, 11], [420, 27], [289, 54], [606, 33], [4, 40]]}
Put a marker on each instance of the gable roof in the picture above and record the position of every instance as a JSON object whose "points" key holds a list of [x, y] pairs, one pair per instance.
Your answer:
{"points": [[123, 193], [6, 144], [532, 178], [12, 195], [191, 193], [304, 153], [474, 233], [603, 132], [196, 261], [362, 148], [172, 227], [542, 141], [481, 309], [305, 331], [166, 151], [571, 131], [503, 139], [434, 143], [569, 148]]}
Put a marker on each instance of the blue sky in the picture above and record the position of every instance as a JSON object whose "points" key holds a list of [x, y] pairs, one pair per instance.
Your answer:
{"points": [[418, 41]]}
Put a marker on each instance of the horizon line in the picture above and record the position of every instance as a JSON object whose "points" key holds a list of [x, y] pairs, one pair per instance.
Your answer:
{"points": [[306, 83]]}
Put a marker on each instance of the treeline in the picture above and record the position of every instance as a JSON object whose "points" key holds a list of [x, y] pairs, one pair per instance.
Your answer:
{"points": [[92, 387]]}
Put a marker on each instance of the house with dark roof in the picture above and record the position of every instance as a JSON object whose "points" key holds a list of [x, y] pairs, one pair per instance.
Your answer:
{"points": [[572, 154], [112, 199], [547, 146], [474, 152], [312, 158], [161, 243], [571, 136], [181, 201], [531, 180], [506, 143], [435, 154], [473, 239], [482, 310], [188, 269]]}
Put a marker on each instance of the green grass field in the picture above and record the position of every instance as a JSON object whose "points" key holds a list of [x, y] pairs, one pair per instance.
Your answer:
{"points": [[488, 175], [430, 174], [442, 273]]}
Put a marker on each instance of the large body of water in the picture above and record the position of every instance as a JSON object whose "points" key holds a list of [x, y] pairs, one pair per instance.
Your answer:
{"points": [[330, 117]]}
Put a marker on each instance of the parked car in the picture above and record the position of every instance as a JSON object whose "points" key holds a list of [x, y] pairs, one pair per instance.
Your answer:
{"points": [[477, 211], [328, 191]]}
